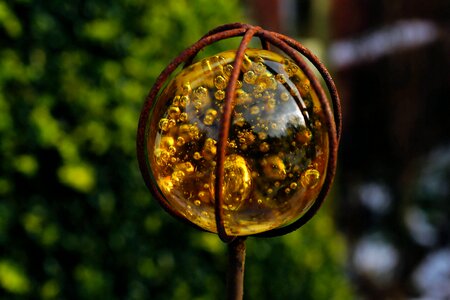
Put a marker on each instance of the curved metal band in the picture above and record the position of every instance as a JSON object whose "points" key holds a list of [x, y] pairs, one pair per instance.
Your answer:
{"points": [[224, 132], [295, 51]]}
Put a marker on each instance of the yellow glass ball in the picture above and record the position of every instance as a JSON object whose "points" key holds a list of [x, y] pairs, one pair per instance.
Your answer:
{"points": [[276, 153]]}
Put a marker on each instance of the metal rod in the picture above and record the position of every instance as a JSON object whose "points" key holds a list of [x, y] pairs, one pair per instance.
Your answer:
{"points": [[236, 266], [225, 123]]}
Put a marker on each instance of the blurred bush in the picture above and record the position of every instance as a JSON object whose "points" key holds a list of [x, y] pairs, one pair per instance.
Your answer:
{"points": [[76, 221]]}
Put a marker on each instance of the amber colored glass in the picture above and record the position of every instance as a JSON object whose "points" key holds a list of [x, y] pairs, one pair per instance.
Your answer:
{"points": [[277, 151]]}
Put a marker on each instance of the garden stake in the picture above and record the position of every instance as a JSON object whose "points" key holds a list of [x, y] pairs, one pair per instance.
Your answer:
{"points": [[243, 143]]}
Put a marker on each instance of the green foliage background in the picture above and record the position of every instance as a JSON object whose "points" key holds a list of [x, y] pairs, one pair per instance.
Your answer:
{"points": [[76, 221]]}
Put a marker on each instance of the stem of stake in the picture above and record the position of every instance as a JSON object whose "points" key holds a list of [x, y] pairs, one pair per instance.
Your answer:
{"points": [[236, 263]]}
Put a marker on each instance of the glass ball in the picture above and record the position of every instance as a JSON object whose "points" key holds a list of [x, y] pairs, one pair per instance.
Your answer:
{"points": [[276, 153]]}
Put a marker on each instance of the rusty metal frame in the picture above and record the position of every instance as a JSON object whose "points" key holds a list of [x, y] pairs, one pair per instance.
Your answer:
{"points": [[294, 50]]}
